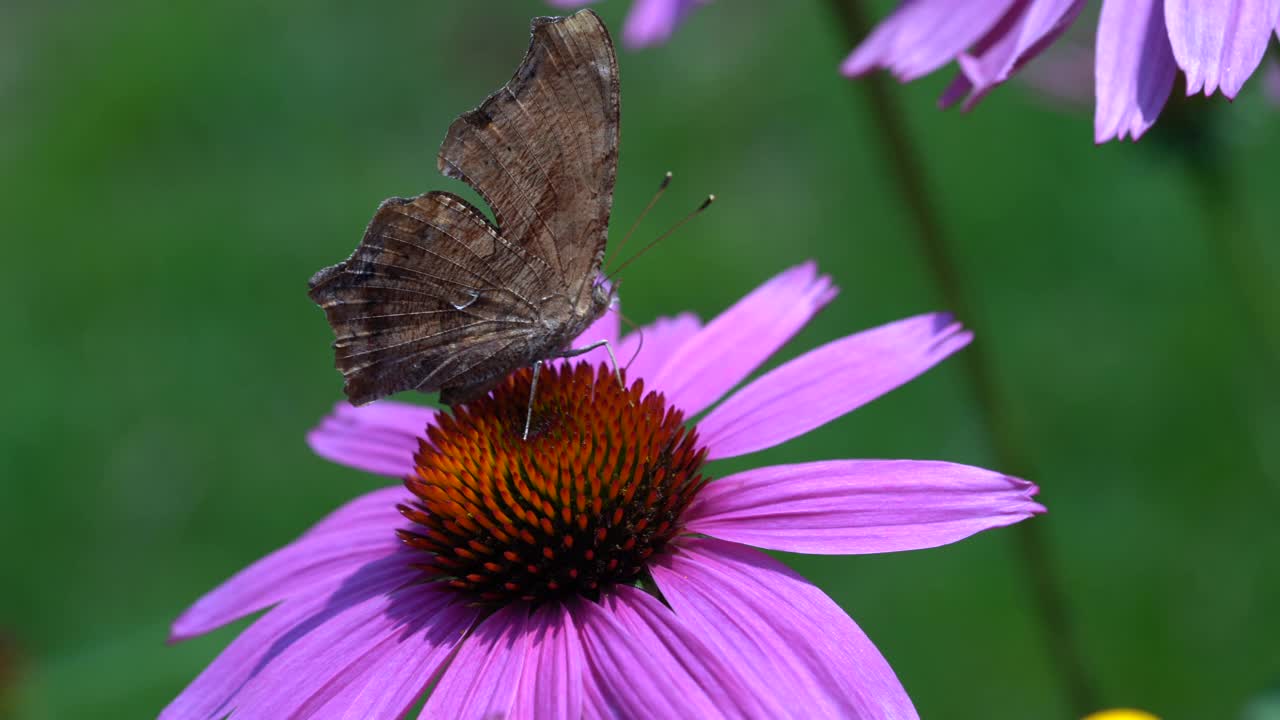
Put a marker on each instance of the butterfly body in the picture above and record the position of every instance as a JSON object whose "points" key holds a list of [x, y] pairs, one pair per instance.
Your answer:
{"points": [[437, 297]]}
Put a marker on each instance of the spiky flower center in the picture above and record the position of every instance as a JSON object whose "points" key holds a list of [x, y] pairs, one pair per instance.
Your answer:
{"points": [[597, 488]]}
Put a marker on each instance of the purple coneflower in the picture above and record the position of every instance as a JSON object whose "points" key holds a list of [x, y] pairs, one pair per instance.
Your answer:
{"points": [[595, 570], [649, 22], [1140, 45]]}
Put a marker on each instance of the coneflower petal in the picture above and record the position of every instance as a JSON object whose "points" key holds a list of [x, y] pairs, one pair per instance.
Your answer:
{"points": [[1020, 36], [802, 647], [644, 663], [738, 340], [551, 684], [1133, 68], [828, 382], [213, 691], [313, 564], [376, 655], [921, 36], [481, 681], [379, 438], [643, 352], [852, 507], [1219, 44]]}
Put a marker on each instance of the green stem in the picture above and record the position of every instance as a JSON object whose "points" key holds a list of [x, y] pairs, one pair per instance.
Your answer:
{"points": [[1196, 138], [1241, 260], [907, 172]]}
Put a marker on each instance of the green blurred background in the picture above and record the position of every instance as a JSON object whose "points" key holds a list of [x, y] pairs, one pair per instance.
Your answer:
{"points": [[174, 172]]}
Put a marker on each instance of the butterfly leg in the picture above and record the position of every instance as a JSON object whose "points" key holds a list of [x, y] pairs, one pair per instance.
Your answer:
{"points": [[617, 372], [533, 389]]}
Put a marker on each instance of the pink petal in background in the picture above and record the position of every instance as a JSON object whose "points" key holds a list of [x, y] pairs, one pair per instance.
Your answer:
{"points": [[1133, 68], [652, 22], [1219, 43], [1029, 28], [921, 36]]}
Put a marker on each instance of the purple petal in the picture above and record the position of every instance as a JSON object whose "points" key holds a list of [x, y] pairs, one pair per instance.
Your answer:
{"points": [[1064, 75], [644, 351], [594, 705], [828, 382], [921, 36], [741, 338], [842, 507], [212, 692], [407, 660], [1219, 43], [374, 511], [1271, 84], [551, 685], [997, 44], [1029, 28], [380, 438], [315, 563], [1133, 68], [799, 645], [372, 659], [481, 681], [643, 663], [652, 22]]}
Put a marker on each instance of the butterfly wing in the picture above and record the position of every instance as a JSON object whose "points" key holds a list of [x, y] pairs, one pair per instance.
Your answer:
{"points": [[437, 298], [432, 292], [543, 150]]}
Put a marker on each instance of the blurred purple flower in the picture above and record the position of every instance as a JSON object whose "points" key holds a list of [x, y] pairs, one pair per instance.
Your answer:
{"points": [[592, 571], [650, 22], [1140, 45], [1271, 81]]}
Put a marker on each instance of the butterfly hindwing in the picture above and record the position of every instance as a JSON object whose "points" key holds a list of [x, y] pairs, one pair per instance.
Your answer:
{"points": [[430, 292]]}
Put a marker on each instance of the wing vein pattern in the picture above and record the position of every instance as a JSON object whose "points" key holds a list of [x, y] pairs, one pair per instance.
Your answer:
{"points": [[438, 298]]}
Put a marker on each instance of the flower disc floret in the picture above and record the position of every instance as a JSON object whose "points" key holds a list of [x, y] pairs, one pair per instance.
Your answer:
{"points": [[595, 490]]}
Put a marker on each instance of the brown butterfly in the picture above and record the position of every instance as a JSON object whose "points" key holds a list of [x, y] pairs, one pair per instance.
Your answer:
{"points": [[436, 297]]}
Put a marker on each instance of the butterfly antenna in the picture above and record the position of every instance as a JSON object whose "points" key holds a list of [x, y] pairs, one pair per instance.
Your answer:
{"points": [[662, 188], [705, 204], [639, 345]]}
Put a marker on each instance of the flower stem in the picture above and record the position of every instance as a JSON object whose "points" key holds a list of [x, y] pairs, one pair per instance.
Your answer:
{"points": [[1198, 140], [1240, 256], [1241, 261], [907, 172]]}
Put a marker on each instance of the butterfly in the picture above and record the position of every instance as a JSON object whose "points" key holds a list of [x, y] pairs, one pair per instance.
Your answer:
{"points": [[437, 297]]}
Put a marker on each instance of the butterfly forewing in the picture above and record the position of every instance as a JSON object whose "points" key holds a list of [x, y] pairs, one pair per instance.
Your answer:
{"points": [[543, 150], [437, 298]]}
